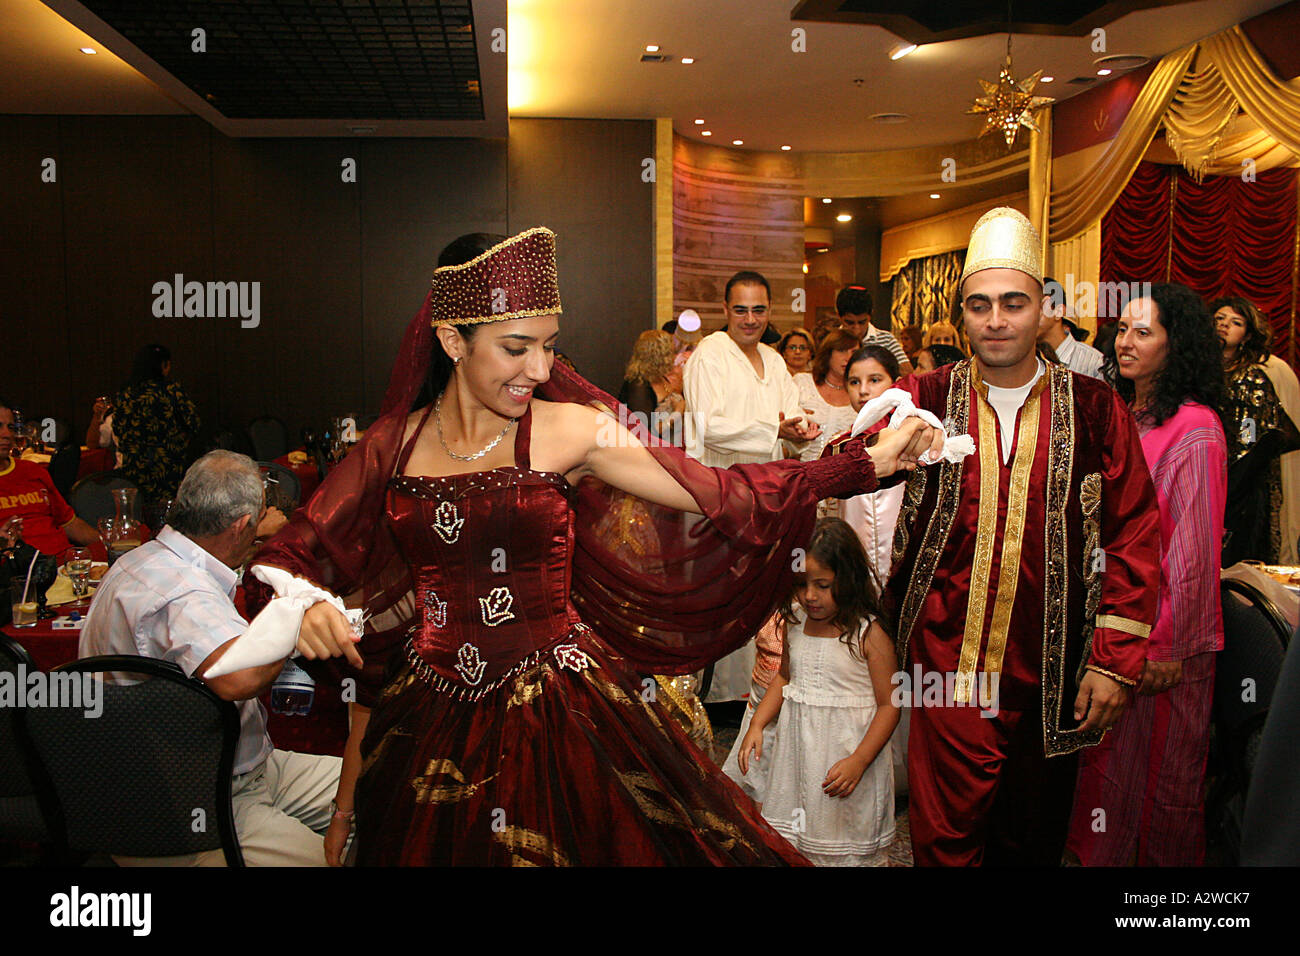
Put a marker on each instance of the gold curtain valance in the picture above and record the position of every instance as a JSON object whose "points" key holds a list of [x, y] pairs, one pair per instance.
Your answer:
{"points": [[1196, 103]]}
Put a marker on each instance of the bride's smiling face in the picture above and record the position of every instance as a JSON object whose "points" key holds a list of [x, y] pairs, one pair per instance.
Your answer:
{"points": [[504, 361]]}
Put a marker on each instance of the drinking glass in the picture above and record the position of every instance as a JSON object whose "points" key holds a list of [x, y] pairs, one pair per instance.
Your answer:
{"points": [[77, 566]]}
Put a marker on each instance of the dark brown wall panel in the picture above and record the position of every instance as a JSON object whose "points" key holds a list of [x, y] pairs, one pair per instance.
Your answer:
{"points": [[582, 178], [342, 266], [33, 310], [418, 195], [137, 194]]}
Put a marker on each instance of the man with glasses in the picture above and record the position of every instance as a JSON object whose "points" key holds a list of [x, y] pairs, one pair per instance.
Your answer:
{"points": [[742, 405]]}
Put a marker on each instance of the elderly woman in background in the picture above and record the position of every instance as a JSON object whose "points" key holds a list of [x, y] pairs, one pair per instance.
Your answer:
{"points": [[1255, 426], [652, 383], [797, 348], [1148, 775]]}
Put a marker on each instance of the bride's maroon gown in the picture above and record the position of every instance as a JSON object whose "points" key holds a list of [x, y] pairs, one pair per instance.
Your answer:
{"points": [[509, 732]]}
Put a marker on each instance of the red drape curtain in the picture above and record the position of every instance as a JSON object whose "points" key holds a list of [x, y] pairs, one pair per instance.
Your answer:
{"points": [[1224, 236]]}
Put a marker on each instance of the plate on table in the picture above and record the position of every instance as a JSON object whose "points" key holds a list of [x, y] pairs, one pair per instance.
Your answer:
{"points": [[1286, 574]]}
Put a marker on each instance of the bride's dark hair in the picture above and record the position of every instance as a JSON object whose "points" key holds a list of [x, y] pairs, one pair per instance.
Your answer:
{"points": [[458, 252]]}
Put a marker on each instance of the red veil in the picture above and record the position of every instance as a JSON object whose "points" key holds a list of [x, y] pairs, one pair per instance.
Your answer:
{"points": [[671, 594]]}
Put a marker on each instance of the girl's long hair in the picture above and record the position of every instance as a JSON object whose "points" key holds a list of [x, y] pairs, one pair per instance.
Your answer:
{"points": [[856, 590], [1194, 362]]}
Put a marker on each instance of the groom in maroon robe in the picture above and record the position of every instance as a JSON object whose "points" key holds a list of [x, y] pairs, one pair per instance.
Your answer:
{"points": [[1031, 567]]}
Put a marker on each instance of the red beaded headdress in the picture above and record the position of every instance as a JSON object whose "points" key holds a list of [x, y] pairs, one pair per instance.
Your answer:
{"points": [[513, 279]]}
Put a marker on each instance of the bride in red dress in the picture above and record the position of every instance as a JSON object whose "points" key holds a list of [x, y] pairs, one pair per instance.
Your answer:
{"points": [[502, 715]]}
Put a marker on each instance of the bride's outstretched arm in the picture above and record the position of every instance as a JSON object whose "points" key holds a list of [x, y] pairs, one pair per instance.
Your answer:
{"points": [[617, 457]]}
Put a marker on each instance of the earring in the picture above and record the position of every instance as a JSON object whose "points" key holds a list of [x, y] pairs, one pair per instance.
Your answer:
{"points": [[456, 360]]}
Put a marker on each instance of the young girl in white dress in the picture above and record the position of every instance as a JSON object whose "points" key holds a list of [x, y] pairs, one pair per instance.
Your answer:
{"points": [[830, 786]]}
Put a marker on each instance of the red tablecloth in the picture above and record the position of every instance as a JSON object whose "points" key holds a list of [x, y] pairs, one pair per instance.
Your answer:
{"points": [[323, 731], [307, 474], [94, 460]]}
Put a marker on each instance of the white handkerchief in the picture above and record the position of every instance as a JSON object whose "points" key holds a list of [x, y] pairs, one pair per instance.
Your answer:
{"points": [[899, 401], [273, 634]]}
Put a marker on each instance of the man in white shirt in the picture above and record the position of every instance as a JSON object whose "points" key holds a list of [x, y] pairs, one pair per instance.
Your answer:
{"points": [[742, 400], [742, 405], [173, 599], [1075, 355], [853, 303]]}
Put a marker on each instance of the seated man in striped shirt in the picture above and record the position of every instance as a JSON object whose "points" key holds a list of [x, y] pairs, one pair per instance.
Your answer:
{"points": [[173, 598]]}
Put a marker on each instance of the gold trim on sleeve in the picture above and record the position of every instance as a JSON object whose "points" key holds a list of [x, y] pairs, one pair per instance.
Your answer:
{"points": [[1111, 674], [1124, 624]]}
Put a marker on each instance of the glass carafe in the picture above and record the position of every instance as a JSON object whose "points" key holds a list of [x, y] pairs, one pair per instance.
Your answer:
{"points": [[121, 533]]}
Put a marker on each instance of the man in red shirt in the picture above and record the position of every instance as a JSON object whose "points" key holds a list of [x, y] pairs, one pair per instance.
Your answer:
{"points": [[30, 506]]}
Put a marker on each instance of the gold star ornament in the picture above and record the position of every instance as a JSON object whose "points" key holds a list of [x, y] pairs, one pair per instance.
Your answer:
{"points": [[1009, 104]]}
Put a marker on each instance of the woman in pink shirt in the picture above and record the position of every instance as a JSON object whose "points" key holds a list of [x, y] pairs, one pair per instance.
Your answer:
{"points": [[1141, 795]]}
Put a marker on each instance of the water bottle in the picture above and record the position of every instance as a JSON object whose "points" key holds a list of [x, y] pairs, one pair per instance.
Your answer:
{"points": [[293, 691]]}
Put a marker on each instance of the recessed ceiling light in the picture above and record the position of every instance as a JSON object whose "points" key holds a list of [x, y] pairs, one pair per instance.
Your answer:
{"points": [[1047, 79], [805, 268], [652, 48], [934, 195], [89, 50], [1103, 72], [889, 118], [900, 51], [706, 132], [699, 122], [688, 60], [737, 142], [361, 129], [785, 149], [826, 200], [844, 217]]}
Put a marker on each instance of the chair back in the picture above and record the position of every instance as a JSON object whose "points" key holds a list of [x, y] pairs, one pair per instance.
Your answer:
{"points": [[151, 774], [28, 810], [1254, 643], [290, 488], [64, 465], [270, 437], [92, 496]]}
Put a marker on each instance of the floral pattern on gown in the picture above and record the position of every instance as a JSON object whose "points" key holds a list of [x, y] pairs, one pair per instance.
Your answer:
{"points": [[508, 732]]}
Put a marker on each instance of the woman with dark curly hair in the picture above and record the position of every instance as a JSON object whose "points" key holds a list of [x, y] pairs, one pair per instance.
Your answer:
{"points": [[1255, 424], [1148, 775]]}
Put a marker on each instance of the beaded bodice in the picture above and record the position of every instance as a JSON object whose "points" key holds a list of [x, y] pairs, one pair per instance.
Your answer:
{"points": [[491, 558]]}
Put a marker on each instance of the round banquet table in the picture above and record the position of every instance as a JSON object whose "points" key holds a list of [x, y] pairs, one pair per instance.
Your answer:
{"points": [[308, 476], [322, 731]]}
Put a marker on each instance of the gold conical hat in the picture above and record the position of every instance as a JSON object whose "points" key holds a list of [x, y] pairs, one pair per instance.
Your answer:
{"points": [[1004, 239]]}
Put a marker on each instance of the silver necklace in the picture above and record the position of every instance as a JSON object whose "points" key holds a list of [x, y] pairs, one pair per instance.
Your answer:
{"points": [[437, 414]]}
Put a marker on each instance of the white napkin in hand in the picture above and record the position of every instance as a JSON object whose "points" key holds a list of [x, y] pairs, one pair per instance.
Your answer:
{"points": [[273, 634], [899, 401]]}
